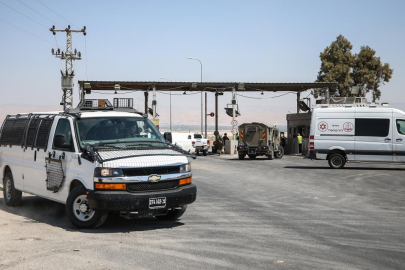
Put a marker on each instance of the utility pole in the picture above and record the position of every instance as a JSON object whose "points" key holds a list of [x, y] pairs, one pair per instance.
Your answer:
{"points": [[69, 56]]}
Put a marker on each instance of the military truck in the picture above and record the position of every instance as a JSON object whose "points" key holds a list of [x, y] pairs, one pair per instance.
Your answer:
{"points": [[257, 139]]}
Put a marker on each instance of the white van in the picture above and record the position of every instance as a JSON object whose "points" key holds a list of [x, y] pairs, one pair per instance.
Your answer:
{"points": [[350, 132], [95, 160]]}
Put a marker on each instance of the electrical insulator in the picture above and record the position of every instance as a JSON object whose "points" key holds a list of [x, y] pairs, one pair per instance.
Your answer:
{"points": [[80, 54], [53, 51]]}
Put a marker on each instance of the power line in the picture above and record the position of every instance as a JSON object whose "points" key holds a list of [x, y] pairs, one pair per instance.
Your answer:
{"points": [[24, 15], [25, 31], [38, 13], [57, 13]]}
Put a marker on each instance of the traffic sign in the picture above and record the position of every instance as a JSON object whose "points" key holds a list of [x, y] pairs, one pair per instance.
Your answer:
{"points": [[234, 123], [234, 131], [212, 114]]}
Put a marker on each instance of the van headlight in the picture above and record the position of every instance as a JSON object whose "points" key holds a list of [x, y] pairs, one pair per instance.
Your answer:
{"points": [[104, 172], [185, 168]]}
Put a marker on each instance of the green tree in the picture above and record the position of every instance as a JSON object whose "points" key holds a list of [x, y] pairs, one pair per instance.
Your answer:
{"points": [[338, 64], [369, 72]]}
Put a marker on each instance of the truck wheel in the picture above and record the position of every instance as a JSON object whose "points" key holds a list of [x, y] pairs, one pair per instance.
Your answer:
{"points": [[173, 214], [12, 197], [252, 156], [197, 153], [79, 213], [205, 153], [280, 152], [242, 157], [336, 161], [270, 157]]}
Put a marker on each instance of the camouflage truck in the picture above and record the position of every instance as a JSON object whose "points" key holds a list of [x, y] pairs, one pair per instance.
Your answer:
{"points": [[257, 139]]}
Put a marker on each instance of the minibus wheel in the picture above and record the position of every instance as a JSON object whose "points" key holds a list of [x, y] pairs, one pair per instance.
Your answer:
{"points": [[241, 157], [279, 153], [79, 213], [12, 197], [173, 214], [336, 161]]}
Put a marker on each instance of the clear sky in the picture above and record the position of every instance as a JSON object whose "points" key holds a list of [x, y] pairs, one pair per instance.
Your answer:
{"points": [[246, 41]]}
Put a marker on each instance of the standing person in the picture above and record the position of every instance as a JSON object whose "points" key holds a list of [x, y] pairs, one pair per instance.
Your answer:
{"points": [[219, 145], [299, 137], [225, 138]]}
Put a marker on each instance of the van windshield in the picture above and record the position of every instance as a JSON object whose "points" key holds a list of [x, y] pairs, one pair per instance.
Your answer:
{"points": [[105, 130]]}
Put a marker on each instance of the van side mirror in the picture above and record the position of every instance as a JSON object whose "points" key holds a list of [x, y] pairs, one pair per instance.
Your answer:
{"points": [[168, 137], [60, 142]]}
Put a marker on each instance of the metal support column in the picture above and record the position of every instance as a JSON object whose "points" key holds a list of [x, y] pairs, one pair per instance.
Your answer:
{"points": [[154, 103], [233, 109], [146, 102], [206, 116], [216, 116], [298, 100]]}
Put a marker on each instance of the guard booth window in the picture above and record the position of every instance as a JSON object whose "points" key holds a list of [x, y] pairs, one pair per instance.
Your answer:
{"points": [[63, 128], [372, 127]]}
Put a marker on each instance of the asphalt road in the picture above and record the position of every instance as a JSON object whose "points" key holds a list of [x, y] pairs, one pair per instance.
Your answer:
{"points": [[252, 214]]}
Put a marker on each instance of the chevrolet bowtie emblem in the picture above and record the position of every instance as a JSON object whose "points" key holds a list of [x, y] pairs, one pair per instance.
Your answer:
{"points": [[154, 178]]}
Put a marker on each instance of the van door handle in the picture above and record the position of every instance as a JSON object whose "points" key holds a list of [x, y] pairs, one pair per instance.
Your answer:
{"points": [[387, 139], [399, 140]]}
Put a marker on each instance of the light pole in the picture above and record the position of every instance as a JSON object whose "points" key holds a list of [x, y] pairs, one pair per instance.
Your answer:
{"points": [[191, 58], [170, 103]]}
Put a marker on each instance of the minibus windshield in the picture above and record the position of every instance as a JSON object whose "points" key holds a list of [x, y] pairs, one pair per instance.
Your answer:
{"points": [[105, 130]]}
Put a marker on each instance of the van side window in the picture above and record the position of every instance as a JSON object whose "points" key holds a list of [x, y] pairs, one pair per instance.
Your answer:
{"points": [[32, 132], [43, 133], [13, 131], [401, 126], [372, 127], [63, 128]]}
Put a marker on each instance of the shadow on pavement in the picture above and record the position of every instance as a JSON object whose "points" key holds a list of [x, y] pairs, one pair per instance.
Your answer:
{"points": [[38, 210], [345, 168]]}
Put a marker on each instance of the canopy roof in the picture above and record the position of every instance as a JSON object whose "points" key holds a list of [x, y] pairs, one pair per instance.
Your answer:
{"points": [[203, 86]]}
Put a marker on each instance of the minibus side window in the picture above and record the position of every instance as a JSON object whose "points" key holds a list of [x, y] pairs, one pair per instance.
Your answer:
{"points": [[64, 129], [401, 126], [372, 127]]}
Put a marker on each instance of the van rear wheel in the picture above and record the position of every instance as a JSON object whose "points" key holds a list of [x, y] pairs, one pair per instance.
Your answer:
{"points": [[12, 197], [79, 212], [279, 153], [336, 161]]}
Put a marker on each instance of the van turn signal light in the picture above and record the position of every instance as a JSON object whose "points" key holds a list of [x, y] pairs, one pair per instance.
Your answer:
{"points": [[185, 181], [110, 186]]}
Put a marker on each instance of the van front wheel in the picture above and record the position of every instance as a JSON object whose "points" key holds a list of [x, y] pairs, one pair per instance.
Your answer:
{"points": [[337, 161], [79, 212]]}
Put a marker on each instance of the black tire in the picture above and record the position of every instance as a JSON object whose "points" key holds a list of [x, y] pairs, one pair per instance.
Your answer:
{"points": [[242, 157], [336, 161], [12, 197], [205, 153], [197, 153], [94, 219], [252, 156], [270, 157], [174, 214], [280, 152]]}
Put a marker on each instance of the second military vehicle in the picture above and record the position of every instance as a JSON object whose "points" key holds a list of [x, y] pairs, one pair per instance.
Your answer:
{"points": [[257, 139]]}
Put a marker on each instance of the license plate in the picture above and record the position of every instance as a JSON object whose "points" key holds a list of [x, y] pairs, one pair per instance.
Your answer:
{"points": [[157, 203], [252, 151]]}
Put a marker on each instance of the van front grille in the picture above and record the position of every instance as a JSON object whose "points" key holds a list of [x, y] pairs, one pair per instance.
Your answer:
{"points": [[150, 171], [148, 186]]}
